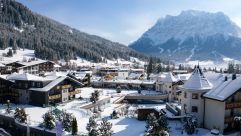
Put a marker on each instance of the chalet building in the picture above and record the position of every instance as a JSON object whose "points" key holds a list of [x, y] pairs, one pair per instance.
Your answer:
{"points": [[82, 77], [215, 106], [125, 84], [168, 85], [192, 95], [41, 91], [33, 66], [108, 71], [222, 104]]}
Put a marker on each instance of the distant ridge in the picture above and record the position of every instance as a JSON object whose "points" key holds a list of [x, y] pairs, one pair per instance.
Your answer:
{"points": [[192, 35], [52, 40]]}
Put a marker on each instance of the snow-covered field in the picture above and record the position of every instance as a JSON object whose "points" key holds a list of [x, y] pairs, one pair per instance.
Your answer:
{"points": [[20, 55], [123, 126]]}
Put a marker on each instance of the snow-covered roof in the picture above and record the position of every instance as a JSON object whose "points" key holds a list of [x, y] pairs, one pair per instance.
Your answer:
{"points": [[54, 83], [134, 75], [197, 81], [32, 62], [80, 75], [25, 76], [2, 65], [57, 66], [183, 77], [224, 89], [123, 81], [169, 78], [55, 73]]}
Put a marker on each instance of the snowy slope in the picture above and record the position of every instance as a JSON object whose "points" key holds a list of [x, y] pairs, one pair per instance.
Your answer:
{"points": [[192, 35], [21, 54]]}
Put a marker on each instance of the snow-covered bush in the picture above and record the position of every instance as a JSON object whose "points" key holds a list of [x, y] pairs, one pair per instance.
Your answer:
{"points": [[20, 115], [105, 128], [190, 124], [49, 120]]}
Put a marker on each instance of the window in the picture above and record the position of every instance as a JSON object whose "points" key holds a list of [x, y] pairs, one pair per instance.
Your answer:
{"points": [[33, 84], [26, 85], [194, 96], [194, 109], [185, 95], [38, 84]]}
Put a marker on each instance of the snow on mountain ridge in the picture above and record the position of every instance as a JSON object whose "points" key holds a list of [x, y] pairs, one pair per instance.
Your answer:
{"points": [[192, 23]]}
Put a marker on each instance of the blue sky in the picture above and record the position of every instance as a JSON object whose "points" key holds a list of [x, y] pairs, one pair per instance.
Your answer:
{"points": [[124, 21]]}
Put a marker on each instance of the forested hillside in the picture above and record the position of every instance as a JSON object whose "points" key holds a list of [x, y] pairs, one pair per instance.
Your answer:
{"points": [[20, 27]]}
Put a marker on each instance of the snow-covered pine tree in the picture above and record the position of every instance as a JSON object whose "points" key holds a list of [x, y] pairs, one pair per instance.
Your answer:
{"points": [[17, 113], [23, 116], [190, 124], [151, 124], [105, 128], [163, 122], [114, 115], [67, 120], [94, 96], [94, 132], [74, 127], [92, 127], [49, 120]]}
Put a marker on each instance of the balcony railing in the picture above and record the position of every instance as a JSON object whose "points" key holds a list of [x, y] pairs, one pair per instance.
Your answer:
{"points": [[232, 105], [57, 96], [66, 86], [74, 92]]}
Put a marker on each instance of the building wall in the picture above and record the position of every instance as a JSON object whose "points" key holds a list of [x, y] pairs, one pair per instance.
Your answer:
{"points": [[23, 96], [188, 103], [214, 114], [39, 98], [65, 95], [123, 74], [168, 88]]}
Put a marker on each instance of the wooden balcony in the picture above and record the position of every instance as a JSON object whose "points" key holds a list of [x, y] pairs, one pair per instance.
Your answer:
{"points": [[74, 92], [66, 86], [53, 97], [233, 105], [228, 120]]}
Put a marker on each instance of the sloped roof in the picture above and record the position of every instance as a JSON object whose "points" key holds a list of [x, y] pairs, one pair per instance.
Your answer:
{"points": [[197, 81], [2, 65], [25, 76], [134, 75], [169, 78], [54, 83], [224, 89]]}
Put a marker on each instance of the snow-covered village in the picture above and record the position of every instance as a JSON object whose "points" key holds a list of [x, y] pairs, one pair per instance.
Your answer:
{"points": [[120, 68]]}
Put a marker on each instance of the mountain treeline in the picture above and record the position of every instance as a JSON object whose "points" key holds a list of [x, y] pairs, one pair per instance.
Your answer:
{"points": [[52, 40]]}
